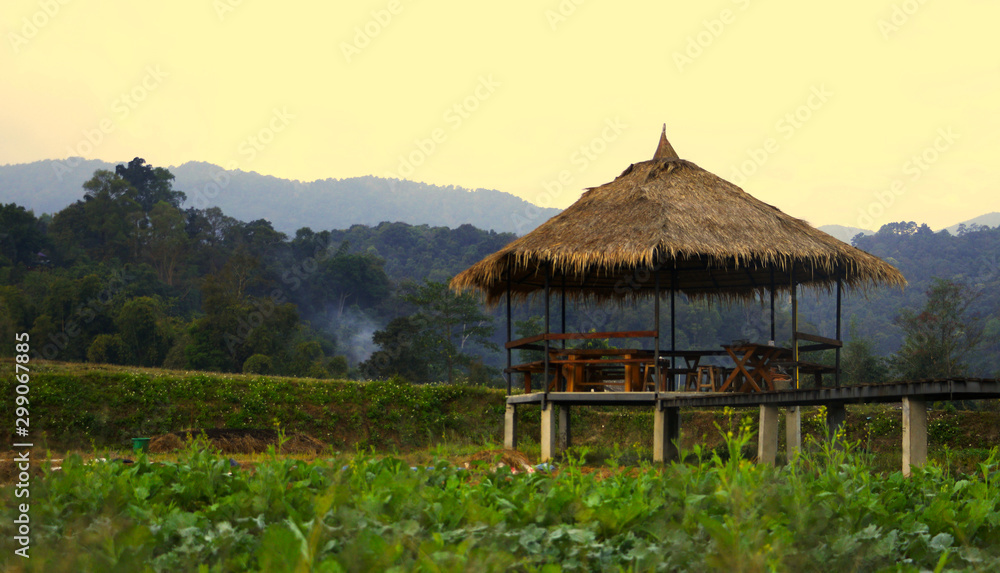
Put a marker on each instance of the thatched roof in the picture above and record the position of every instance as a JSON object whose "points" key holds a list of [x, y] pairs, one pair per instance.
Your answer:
{"points": [[667, 215]]}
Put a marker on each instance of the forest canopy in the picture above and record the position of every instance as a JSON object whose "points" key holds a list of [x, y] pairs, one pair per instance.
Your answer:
{"points": [[129, 274]]}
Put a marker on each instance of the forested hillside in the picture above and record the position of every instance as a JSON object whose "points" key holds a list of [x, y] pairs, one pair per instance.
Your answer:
{"points": [[127, 274]]}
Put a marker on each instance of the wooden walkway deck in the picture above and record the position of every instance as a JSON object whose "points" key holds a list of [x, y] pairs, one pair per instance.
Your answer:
{"points": [[914, 395]]}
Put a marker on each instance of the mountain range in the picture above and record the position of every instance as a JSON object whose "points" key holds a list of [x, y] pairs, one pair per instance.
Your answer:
{"points": [[48, 186]]}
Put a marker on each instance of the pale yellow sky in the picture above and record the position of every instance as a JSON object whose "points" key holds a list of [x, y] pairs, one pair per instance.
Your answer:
{"points": [[817, 108]]}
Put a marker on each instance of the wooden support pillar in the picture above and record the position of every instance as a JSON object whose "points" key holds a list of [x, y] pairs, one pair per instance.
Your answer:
{"points": [[548, 435], [509, 374], [672, 386], [545, 377], [772, 306], [836, 375], [510, 427], [793, 431], [767, 435], [565, 433], [795, 326], [914, 434], [666, 434], [836, 416], [562, 308], [656, 337]]}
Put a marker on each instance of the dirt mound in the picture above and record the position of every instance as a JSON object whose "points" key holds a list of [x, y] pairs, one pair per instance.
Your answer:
{"points": [[230, 441], [497, 458]]}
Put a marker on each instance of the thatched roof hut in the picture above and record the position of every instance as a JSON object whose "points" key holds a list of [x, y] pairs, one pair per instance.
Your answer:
{"points": [[669, 221]]}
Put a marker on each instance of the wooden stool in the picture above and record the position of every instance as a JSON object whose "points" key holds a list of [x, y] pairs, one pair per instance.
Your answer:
{"points": [[712, 373]]}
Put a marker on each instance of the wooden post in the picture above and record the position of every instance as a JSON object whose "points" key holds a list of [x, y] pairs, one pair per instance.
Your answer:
{"points": [[793, 431], [509, 373], [510, 427], [836, 373], [914, 434], [767, 435], [795, 325], [836, 416], [562, 304], [772, 306], [545, 377], [673, 328], [565, 432], [666, 434], [656, 338], [548, 434]]}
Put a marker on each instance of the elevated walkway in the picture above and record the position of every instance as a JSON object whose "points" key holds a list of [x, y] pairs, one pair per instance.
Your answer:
{"points": [[914, 395]]}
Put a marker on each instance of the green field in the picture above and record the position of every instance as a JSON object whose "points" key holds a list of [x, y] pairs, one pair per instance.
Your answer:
{"points": [[826, 510], [400, 488]]}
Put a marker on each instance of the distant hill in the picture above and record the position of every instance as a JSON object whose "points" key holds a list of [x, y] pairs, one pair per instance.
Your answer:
{"points": [[987, 220], [49, 186], [843, 233]]}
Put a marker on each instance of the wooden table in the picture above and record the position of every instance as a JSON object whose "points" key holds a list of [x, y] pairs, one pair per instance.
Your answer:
{"points": [[692, 359], [574, 364], [752, 363]]}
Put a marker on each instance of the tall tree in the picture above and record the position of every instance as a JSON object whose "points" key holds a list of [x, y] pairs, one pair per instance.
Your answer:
{"points": [[938, 339], [164, 240], [21, 236], [151, 185], [861, 365], [453, 323]]}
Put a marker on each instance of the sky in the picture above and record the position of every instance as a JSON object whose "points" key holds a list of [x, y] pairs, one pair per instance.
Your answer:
{"points": [[857, 112]]}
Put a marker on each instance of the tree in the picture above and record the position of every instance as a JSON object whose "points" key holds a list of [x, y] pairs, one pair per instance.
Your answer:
{"points": [[143, 332], [152, 185], [21, 236], [102, 224], [358, 279], [164, 240], [861, 365], [938, 339], [403, 351], [453, 323]]}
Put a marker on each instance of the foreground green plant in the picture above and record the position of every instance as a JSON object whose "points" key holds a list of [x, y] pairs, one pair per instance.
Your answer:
{"points": [[825, 510]]}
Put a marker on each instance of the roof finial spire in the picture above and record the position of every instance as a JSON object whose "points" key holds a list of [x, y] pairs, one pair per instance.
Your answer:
{"points": [[664, 150]]}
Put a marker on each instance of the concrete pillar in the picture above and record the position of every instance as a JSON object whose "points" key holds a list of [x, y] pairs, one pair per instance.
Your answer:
{"points": [[836, 417], [793, 431], [510, 427], [565, 434], [767, 435], [914, 434], [666, 434], [549, 436]]}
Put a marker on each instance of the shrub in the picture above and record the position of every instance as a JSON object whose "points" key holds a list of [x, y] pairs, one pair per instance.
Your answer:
{"points": [[257, 364]]}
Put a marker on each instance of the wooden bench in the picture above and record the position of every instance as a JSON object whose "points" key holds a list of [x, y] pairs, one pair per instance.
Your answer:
{"points": [[819, 343], [814, 368]]}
